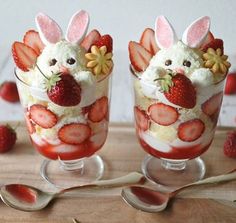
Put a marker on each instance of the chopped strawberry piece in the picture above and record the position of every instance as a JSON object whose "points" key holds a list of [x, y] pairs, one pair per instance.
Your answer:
{"points": [[139, 56], [42, 116], [88, 41], [141, 118], [212, 105], [105, 40], [30, 126], [230, 145], [85, 110], [24, 56], [191, 130], [148, 41], [98, 110], [33, 40], [163, 114], [74, 133], [214, 44], [9, 92]]}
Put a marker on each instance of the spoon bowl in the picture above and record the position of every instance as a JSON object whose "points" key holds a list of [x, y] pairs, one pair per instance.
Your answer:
{"points": [[149, 200], [28, 198]]}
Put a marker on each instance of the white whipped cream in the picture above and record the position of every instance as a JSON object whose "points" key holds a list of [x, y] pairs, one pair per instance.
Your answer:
{"points": [[154, 143], [87, 83]]}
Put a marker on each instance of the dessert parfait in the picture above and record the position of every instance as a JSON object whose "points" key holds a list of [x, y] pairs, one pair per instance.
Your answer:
{"points": [[178, 88], [64, 89]]}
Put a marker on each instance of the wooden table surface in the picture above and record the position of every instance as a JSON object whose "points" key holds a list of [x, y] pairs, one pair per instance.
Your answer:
{"points": [[121, 154]]}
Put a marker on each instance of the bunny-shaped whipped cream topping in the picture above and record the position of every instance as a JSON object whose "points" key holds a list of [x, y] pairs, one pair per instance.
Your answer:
{"points": [[181, 56], [62, 54], [65, 55]]}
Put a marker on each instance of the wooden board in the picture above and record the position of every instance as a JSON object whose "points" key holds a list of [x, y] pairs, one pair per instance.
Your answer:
{"points": [[121, 154]]}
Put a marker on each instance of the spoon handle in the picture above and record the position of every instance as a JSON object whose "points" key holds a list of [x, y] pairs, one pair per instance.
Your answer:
{"points": [[210, 180], [129, 179]]}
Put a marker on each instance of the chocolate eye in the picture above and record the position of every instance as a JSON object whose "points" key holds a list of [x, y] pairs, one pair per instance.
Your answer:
{"points": [[168, 62], [187, 63], [52, 62], [71, 61]]}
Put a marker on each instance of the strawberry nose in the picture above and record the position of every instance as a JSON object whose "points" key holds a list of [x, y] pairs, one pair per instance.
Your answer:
{"points": [[180, 70], [64, 70]]}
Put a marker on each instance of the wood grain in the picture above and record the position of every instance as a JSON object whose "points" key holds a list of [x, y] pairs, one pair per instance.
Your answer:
{"points": [[121, 154]]}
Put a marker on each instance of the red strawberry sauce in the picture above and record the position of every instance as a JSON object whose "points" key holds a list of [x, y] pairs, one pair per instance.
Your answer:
{"points": [[176, 153]]}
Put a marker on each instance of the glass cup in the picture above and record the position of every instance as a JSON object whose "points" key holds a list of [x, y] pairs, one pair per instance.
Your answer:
{"points": [[172, 161], [68, 164]]}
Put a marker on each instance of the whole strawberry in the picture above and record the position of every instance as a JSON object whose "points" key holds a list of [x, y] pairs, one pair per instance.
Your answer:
{"points": [[230, 145], [63, 90], [9, 92], [230, 85], [178, 89], [7, 138]]}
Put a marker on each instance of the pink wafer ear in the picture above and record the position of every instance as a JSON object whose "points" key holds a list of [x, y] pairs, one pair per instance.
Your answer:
{"points": [[196, 33], [77, 27], [49, 31], [164, 33]]}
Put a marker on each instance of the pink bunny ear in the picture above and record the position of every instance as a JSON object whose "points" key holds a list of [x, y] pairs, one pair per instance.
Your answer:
{"points": [[164, 32], [77, 27], [196, 33], [49, 30]]}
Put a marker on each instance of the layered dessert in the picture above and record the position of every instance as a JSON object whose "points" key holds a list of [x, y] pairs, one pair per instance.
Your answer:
{"points": [[178, 88], [63, 84]]}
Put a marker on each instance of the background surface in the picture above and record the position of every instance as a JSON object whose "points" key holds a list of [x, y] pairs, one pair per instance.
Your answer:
{"points": [[124, 20]]}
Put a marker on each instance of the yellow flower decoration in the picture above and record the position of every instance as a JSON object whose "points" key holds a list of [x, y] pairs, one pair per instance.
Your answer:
{"points": [[216, 61], [99, 61]]}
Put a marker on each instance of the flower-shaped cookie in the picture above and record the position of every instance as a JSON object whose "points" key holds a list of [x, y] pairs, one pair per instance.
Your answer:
{"points": [[216, 61], [99, 60]]}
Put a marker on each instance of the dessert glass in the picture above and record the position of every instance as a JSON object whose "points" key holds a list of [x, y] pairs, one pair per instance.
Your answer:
{"points": [[67, 164], [172, 162], [178, 91]]}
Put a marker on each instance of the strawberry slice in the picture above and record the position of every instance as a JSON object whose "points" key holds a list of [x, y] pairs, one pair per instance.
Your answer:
{"points": [[191, 130], [148, 41], [74, 133], [105, 40], [163, 114], [213, 104], [24, 56], [42, 116], [88, 41], [33, 40], [141, 118], [214, 44], [98, 110], [208, 39], [139, 56]]}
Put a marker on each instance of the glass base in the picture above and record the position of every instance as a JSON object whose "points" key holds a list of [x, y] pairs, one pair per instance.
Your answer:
{"points": [[64, 174], [171, 174]]}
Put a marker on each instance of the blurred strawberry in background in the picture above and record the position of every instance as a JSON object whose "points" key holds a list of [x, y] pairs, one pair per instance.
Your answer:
{"points": [[7, 138], [230, 86], [9, 92]]}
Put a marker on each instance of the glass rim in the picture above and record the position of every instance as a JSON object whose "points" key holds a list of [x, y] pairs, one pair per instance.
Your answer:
{"points": [[30, 86], [18, 78]]}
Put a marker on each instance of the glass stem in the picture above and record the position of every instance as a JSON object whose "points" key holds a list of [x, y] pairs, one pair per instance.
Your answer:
{"points": [[72, 165], [173, 165]]}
